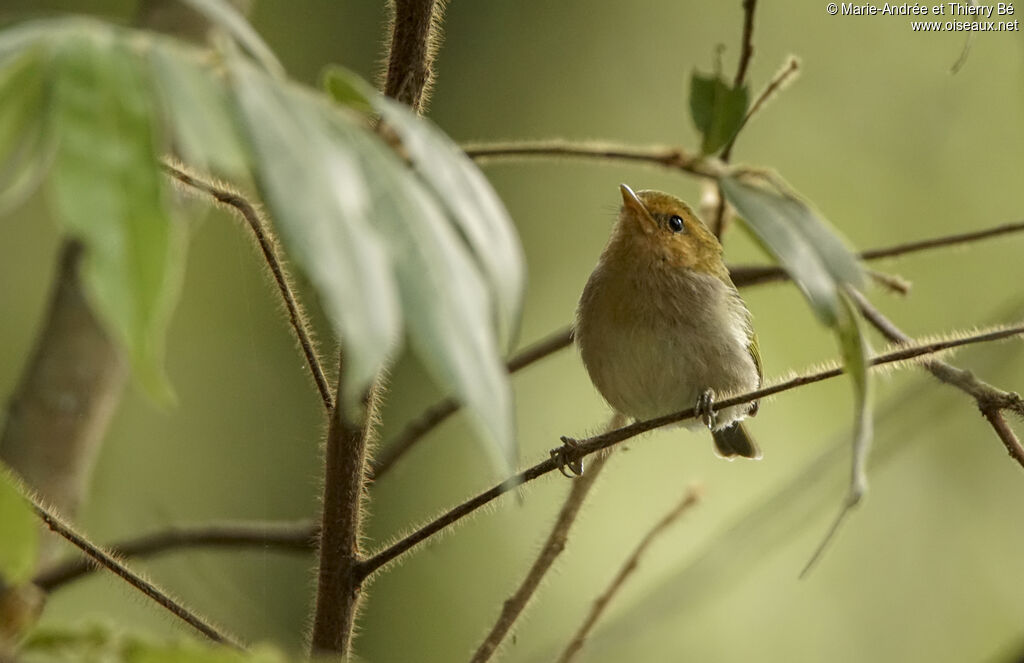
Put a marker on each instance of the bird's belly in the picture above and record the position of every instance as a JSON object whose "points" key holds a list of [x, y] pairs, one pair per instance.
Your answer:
{"points": [[645, 371]]}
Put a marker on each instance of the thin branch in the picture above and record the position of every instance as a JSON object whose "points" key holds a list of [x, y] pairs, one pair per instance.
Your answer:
{"points": [[781, 78], [339, 585], [436, 414], [746, 275], [747, 52], [261, 232], [296, 536], [592, 445], [991, 401], [553, 547], [108, 561], [690, 499], [669, 157]]}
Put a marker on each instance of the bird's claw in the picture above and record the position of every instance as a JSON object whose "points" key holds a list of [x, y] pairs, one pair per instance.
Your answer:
{"points": [[705, 408], [561, 456]]}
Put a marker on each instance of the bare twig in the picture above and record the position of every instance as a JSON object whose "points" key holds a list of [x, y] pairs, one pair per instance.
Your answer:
{"points": [[781, 78], [691, 498], [108, 561], [592, 445], [669, 157], [891, 282], [298, 536], [745, 275], [746, 54], [268, 246], [553, 547], [990, 400], [339, 585], [436, 414]]}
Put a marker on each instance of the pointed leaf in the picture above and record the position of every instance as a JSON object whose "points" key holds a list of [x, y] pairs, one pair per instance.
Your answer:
{"points": [[805, 246], [856, 354], [319, 196], [110, 194], [19, 534], [24, 138], [717, 110], [477, 211]]}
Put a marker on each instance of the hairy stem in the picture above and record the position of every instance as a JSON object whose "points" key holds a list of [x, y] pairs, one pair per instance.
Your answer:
{"points": [[298, 536], [553, 547], [339, 586], [268, 246], [415, 35], [109, 562]]}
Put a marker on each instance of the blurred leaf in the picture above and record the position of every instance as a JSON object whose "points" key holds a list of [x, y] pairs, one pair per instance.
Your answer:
{"points": [[195, 105], [222, 14], [19, 534], [109, 193], [24, 140], [105, 645], [477, 211], [321, 201], [856, 353], [444, 298], [717, 109], [810, 251]]}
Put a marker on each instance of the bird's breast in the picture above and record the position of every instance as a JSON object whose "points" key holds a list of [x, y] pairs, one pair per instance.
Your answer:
{"points": [[651, 349]]}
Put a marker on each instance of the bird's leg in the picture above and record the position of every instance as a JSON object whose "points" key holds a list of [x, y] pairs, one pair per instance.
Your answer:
{"points": [[705, 408], [560, 456]]}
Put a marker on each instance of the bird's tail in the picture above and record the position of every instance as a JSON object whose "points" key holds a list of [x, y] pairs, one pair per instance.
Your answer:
{"points": [[734, 440]]}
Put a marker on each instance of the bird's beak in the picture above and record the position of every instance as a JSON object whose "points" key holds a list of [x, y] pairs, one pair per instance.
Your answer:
{"points": [[635, 208]]}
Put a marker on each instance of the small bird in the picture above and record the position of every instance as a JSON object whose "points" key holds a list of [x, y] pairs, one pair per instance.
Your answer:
{"points": [[662, 328]]}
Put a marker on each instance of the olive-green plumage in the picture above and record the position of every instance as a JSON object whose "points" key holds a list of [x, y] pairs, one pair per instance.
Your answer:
{"points": [[660, 325]]}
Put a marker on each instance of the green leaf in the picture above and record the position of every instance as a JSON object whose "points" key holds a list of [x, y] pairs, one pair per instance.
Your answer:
{"points": [[195, 106], [100, 643], [320, 198], [24, 137], [717, 110], [474, 207], [225, 16], [109, 193], [19, 534], [856, 353], [813, 254], [444, 297]]}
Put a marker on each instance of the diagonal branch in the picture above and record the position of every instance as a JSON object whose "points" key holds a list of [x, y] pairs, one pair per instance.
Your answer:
{"points": [[742, 276], [553, 547], [991, 401], [583, 448], [689, 500], [262, 234], [297, 536], [108, 561]]}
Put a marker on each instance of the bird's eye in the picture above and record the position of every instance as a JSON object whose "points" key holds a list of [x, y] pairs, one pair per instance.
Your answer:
{"points": [[675, 223]]}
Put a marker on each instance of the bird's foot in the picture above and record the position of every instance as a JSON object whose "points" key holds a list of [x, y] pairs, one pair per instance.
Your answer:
{"points": [[563, 457], [705, 408]]}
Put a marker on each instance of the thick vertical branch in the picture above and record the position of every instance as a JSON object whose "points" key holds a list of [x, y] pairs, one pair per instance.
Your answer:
{"points": [[341, 576], [415, 35], [68, 391], [339, 585]]}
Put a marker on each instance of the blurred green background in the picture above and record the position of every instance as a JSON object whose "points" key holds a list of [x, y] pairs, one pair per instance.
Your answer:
{"points": [[876, 132]]}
